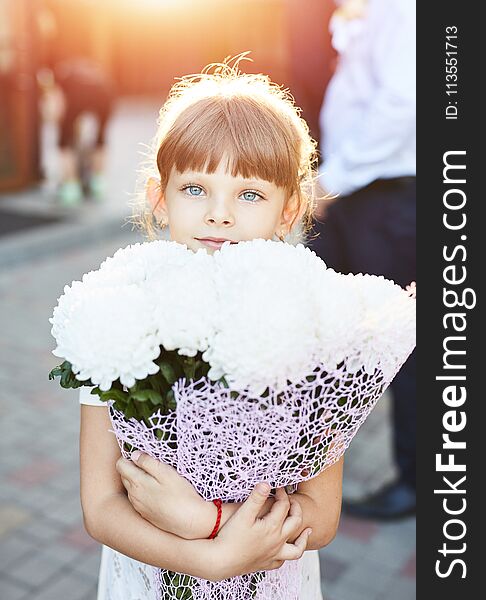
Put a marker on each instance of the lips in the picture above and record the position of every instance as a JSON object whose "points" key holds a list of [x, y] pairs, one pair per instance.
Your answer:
{"points": [[212, 242]]}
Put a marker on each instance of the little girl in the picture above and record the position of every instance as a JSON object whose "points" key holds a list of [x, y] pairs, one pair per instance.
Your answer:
{"points": [[234, 162]]}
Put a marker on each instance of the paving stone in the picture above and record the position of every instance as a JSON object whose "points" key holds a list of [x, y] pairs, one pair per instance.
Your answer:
{"points": [[64, 554], [68, 483], [67, 514], [405, 529], [36, 571], [89, 564], [357, 529], [346, 591], [37, 472], [13, 549], [332, 568], [67, 586], [11, 517], [77, 537], [400, 589], [345, 549], [369, 576], [409, 569], [41, 530], [12, 591], [92, 594], [38, 500]]}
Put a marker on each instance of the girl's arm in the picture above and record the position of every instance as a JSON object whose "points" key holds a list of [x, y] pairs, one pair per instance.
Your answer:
{"points": [[320, 498], [248, 543], [168, 500], [108, 515]]}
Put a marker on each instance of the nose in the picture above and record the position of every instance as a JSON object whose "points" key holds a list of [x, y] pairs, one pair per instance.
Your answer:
{"points": [[219, 213]]}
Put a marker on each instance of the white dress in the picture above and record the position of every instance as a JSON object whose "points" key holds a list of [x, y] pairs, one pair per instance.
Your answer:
{"points": [[123, 578]]}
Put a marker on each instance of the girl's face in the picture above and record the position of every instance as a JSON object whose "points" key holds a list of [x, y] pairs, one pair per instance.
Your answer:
{"points": [[203, 210]]}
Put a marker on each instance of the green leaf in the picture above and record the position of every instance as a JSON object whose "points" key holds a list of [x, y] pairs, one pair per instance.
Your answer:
{"points": [[121, 406], [55, 372], [66, 375], [189, 365], [130, 410], [168, 372], [158, 383], [170, 398], [147, 395], [116, 395], [143, 410]]}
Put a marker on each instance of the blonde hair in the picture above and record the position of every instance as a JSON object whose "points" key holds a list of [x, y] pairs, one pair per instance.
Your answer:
{"points": [[246, 117]]}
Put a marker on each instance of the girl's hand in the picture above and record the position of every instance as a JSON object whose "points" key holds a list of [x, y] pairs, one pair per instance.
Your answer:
{"points": [[165, 498], [247, 543]]}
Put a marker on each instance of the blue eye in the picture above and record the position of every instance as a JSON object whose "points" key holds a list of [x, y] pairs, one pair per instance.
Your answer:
{"points": [[193, 190], [250, 196]]}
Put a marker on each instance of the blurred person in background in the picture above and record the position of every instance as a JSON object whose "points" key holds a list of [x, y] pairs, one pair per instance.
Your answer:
{"points": [[74, 85], [85, 89], [368, 173]]}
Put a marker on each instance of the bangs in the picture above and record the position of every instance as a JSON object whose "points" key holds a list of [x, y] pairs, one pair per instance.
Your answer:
{"points": [[256, 141]]}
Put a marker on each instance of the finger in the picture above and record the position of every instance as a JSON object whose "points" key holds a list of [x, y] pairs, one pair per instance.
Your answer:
{"points": [[134, 502], [157, 469], [126, 468], [130, 471], [276, 564], [293, 523], [127, 484], [295, 506], [279, 510], [296, 550], [254, 503]]}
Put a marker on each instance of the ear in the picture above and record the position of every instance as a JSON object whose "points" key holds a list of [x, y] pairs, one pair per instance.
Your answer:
{"points": [[292, 213], [156, 197]]}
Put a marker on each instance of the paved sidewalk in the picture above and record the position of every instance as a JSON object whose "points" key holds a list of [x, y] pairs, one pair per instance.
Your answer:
{"points": [[44, 552]]}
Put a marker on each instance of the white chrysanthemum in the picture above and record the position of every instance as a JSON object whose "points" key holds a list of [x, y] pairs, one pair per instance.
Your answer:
{"points": [[263, 313], [185, 300], [387, 332], [108, 334], [122, 342], [134, 264], [142, 262], [66, 303], [339, 315], [266, 332]]}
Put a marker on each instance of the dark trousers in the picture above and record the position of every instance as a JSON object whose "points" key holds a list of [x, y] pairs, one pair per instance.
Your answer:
{"points": [[373, 231], [81, 98]]}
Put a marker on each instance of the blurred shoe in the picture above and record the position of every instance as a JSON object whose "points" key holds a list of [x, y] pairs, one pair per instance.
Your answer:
{"points": [[70, 193], [97, 187], [394, 501]]}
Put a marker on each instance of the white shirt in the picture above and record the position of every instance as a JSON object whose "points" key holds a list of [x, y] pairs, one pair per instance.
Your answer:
{"points": [[368, 116]]}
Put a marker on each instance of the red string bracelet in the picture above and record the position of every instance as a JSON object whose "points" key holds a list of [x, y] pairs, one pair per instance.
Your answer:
{"points": [[219, 505]]}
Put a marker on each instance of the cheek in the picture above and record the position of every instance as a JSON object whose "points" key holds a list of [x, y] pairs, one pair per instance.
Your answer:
{"points": [[260, 223], [182, 216]]}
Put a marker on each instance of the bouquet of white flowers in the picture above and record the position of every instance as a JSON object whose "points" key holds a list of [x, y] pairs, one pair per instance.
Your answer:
{"points": [[256, 363]]}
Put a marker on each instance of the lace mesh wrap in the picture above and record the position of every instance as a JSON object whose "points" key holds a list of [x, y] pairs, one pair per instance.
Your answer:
{"points": [[225, 442]]}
